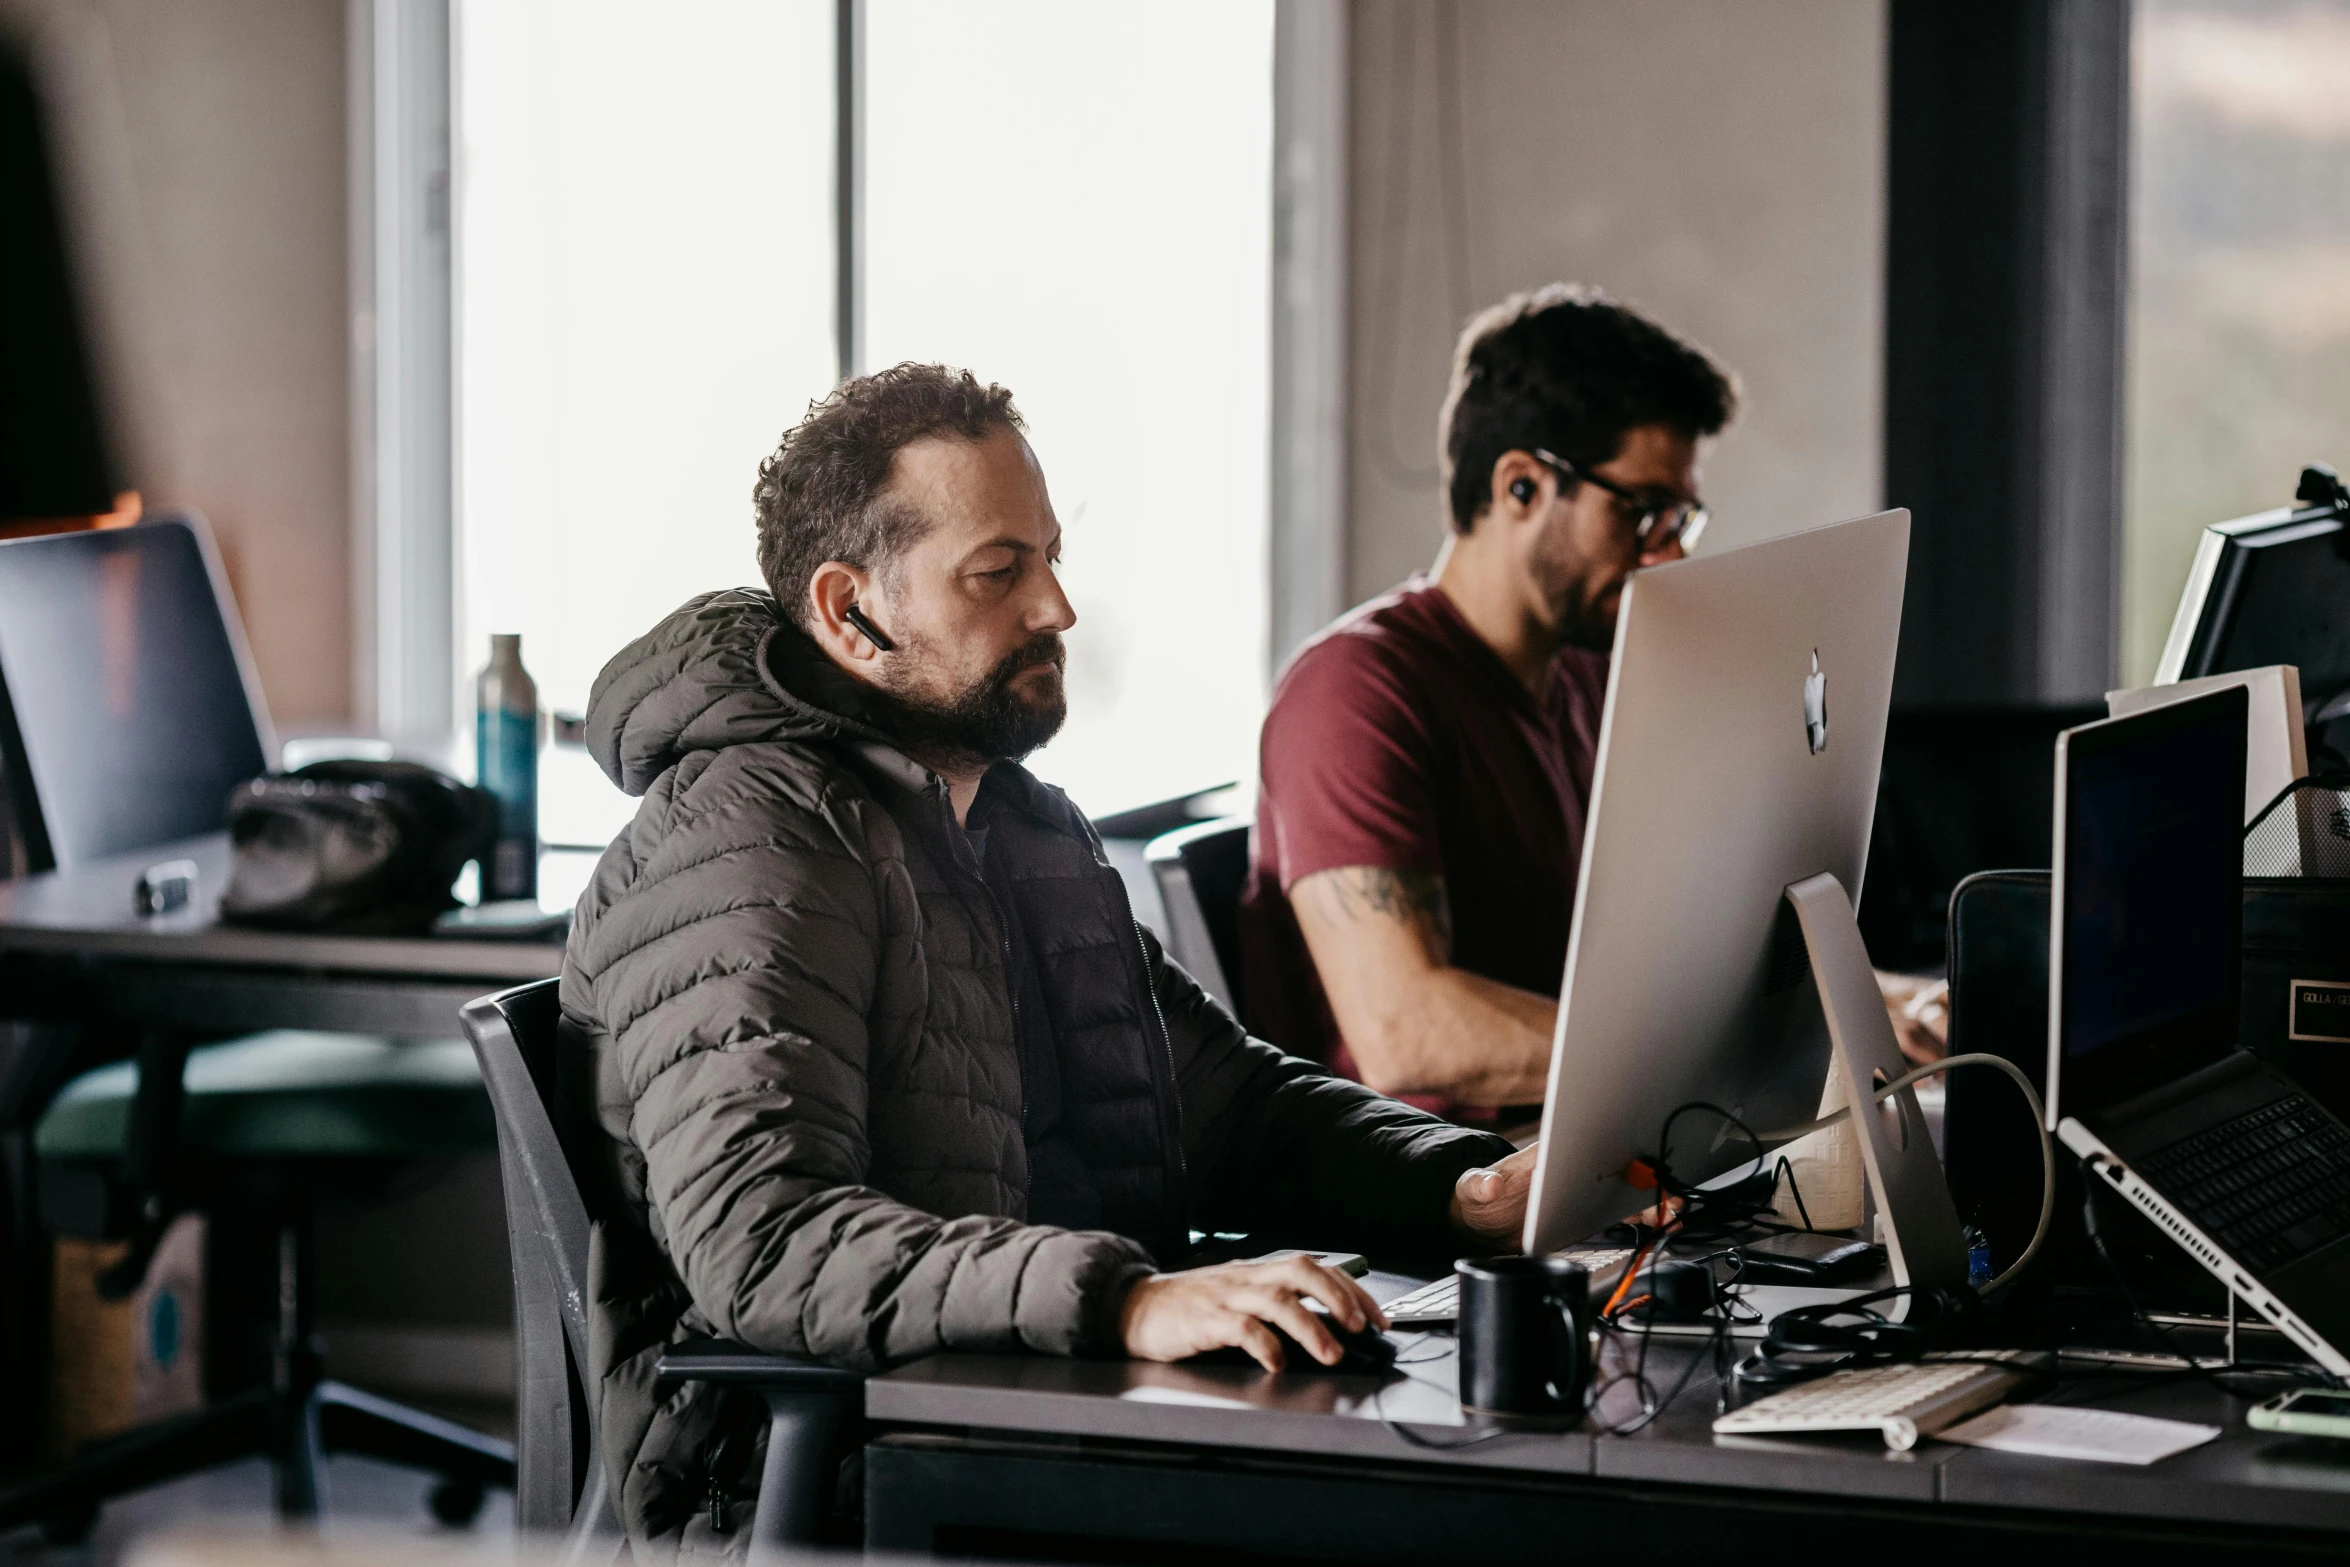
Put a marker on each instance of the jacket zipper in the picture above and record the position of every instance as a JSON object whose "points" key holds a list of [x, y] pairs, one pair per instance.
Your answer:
{"points": [[714, 1496], [1003, 938], [1166, 1043]]}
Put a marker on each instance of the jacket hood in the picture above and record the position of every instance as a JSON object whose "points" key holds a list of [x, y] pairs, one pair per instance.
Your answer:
{"points": [[723, 669]]}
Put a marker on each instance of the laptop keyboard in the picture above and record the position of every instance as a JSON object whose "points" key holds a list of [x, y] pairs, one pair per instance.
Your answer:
{"points": [[2271, 1186]]}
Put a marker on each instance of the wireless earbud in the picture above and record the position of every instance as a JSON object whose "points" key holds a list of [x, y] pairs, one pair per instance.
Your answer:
{"points": [[1522, 490], [873, 633]]}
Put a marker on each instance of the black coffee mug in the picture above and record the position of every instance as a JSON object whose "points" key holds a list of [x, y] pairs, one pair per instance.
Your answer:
{"points": [[1525, 1335]]}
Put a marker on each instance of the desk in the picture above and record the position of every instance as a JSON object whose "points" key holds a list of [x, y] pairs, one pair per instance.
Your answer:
{"points": [[1120, 1461], [75, 955], [73, 951]]}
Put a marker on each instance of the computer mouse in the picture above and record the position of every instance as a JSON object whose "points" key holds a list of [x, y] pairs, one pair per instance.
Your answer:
{"points": [[1368, 1352]]}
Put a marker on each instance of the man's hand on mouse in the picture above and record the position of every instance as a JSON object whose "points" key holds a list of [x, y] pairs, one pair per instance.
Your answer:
{"points": [[1489, 1202], [1171, 1316]]}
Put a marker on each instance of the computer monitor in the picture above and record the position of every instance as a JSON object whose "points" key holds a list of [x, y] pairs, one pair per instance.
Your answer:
{"points": [[2274, 588], [1738, 758], [2147, 911], [131, 710]]}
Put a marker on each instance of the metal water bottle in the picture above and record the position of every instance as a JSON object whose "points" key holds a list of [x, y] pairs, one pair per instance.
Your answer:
{"points": [[506, 761]]}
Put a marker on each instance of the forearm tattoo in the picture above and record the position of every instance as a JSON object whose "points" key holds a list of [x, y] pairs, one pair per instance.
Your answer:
{"points": [[1414, 897]]}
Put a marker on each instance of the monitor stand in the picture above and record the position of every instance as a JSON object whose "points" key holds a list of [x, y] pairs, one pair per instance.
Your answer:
{"points": [[1923, 1244]]}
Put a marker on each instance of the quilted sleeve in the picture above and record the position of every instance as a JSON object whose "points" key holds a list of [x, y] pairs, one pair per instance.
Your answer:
{"points": [[737, 977]]}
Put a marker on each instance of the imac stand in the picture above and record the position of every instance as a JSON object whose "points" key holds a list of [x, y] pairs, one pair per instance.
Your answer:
{"points": [[1922, 1238]]}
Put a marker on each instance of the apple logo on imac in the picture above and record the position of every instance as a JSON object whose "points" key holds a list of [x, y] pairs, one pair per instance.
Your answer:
{"points": [[1815, 706]]}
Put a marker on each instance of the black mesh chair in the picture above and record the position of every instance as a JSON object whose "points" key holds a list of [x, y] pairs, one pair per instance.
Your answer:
{"points": [[561, 1486], [1199, 870]]}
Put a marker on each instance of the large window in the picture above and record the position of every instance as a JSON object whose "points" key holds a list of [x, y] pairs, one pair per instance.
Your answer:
{"points": [[1072, 199], [2240, 260]]}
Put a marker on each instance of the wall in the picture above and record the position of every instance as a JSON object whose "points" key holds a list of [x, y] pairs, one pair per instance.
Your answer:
{"points": [[203, 144], [1720, 165]]}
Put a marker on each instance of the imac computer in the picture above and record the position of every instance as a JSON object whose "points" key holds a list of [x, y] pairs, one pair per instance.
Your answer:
{"points": [[2274, 588], [1714, 955]]}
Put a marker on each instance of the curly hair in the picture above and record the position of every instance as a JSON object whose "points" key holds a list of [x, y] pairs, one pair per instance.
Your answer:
{"points": [[819, 496], [1567, 368]]}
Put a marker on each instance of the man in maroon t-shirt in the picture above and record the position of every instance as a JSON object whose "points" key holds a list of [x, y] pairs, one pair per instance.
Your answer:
{"points": [[1426, 764]]}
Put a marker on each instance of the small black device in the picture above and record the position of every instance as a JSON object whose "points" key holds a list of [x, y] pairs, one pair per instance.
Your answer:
{"points": [[1368, 1352], [873, 633], [1670, 1290], [1521, 490], [1801, 1257], [1525, 1332]]}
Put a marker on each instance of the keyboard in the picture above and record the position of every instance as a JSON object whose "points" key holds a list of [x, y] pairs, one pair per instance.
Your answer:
{"points": [[1440, 1299], [2271, 1186], [1903, 1402]]}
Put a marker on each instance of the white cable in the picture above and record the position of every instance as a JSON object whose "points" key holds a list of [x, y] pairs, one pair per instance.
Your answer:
{"points": [[2039, 1125]]}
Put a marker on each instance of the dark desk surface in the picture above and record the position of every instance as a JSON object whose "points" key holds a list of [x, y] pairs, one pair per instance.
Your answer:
{"points": [[2245, 1477], [74, 949], [88, 911]]}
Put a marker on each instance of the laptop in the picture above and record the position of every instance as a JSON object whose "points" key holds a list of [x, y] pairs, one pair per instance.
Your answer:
{"points": [[128, 705], [2146, 1080]]}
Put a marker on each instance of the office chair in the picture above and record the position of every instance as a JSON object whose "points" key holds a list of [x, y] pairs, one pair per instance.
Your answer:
{"points": [[267, 1117], [812, 1407], [1200, 870]]}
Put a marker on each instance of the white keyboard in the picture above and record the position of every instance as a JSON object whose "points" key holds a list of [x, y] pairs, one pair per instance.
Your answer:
{"points": [[1904, 1402], [1440, 1299]]}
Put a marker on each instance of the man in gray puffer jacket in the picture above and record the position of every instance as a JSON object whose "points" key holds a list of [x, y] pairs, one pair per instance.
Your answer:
{"points": [[882, 1063]]}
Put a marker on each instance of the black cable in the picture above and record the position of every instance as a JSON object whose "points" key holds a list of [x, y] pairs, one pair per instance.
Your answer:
{"points": [[1721, 1302], [1788, 1170]]}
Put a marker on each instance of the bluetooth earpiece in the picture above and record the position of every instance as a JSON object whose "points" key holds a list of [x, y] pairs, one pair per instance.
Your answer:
{"points": [[1522, 491], [873, 633]]}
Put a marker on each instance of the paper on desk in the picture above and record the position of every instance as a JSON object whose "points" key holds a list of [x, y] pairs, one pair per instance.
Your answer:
{"points": [[2061, 1431]]}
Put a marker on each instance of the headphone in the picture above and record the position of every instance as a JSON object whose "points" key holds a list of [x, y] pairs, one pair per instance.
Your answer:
{"points": [[1809, 1341], [873, 633], [1522, 490]]}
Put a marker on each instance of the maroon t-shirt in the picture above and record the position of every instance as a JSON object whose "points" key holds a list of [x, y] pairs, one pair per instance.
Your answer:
{"points": [[1397, 738]]}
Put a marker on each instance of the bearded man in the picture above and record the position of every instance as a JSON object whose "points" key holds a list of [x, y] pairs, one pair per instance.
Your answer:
{"points": [[882, 1064]]}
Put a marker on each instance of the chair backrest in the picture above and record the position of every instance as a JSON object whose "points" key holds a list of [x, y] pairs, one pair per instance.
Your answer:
{"points": [[1200, 870], [558, 1467]]}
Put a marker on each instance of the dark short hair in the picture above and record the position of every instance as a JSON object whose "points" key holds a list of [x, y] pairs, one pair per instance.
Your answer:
{"points": [[1569, 369], [819, 496]]}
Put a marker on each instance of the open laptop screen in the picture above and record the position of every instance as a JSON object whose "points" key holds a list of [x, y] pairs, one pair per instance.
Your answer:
{"points": [[2151, 890], [132, 717]]}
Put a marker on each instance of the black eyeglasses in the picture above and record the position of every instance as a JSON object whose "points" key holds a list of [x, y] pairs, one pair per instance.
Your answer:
{"points": [[1657, 527]]}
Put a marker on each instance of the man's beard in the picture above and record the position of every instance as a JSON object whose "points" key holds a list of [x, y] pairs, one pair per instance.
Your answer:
{"points": [[1587, 619], [1588, 593], [988, 721], [1592, 626]]}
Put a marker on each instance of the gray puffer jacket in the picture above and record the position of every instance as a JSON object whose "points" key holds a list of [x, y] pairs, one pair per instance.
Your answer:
{"points": [[789, 1043]]}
